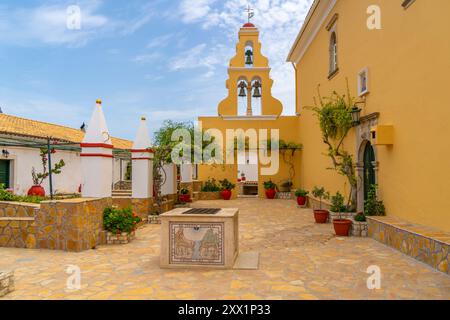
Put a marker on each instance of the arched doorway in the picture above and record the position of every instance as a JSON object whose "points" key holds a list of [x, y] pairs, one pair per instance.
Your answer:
{"points": [[369, 168]]}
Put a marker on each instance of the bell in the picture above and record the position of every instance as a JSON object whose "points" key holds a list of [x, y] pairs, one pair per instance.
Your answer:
{"points": [[249, 60], [257, 91], [242, 92]]}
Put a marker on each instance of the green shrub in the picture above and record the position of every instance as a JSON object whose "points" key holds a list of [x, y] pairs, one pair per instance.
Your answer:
{"points": [[6, 195], [321, 194], [360, 217], [268, 185], [373, 206], [301, 193], [210, 186], [119, 221], [226, 185], [337, 203], [184, 191]]}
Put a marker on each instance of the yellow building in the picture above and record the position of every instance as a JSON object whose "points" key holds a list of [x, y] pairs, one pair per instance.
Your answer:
{"points": [[250, 105], [396, 57]]}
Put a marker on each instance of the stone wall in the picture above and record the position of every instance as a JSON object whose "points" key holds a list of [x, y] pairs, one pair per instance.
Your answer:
{"points": [[6, 283], [428, 246], [209, 196], [70, 225], [17, 225]]}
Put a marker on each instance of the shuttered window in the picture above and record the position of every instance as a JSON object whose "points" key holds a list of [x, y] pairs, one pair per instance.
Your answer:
{"points": [[4, 173]]}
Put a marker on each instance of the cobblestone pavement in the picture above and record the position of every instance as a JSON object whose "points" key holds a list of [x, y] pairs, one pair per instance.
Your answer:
{"points": [[299, 260]]}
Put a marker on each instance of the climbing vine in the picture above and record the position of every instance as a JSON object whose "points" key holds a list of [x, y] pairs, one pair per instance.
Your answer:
{"points": [[335, 119]]}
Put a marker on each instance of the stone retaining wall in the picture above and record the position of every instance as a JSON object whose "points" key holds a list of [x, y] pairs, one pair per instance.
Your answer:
{"points": [[17, 225], [422, 244], [6, 283], [70, 225], [209, 196]]}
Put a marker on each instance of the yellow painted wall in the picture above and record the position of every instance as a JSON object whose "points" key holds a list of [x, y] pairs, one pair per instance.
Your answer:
{"points": [[409, 69], [288, 128]]}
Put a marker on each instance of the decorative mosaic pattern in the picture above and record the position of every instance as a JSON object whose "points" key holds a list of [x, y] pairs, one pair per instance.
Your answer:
{"points": [[197, 243], [426, 249], [6, 283]]}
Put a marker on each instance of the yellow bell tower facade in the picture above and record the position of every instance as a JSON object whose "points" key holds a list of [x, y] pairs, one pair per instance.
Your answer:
{"points": [[250, 107], [249, 79]]}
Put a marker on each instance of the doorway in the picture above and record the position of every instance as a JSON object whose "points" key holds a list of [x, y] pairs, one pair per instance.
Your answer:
{"points": [[248, 173], [5, 173], [369, 169]]}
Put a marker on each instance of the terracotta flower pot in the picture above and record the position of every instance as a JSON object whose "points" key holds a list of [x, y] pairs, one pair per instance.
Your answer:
{"points": [[185, 198], [271, 193], [37, 191], [301, 201], [342, 227], [226, 194], [321, 216]]}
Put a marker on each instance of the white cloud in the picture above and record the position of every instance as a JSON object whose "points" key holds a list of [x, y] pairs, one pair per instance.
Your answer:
{"points": [[279, 22], [195, 10], [202, 56], [146, 58], [47, 24]]}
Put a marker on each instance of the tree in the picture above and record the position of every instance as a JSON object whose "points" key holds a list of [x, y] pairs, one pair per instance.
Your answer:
{"points": [[38, 178], [335, 119]]}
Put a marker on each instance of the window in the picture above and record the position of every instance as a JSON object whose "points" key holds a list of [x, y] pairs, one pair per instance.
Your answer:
{"points": [[407, 3], [333, 54], [363, 82]]}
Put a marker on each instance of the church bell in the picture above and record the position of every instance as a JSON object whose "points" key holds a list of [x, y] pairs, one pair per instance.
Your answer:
{"points": [[257, 91], [242, 89], [249, 60]]}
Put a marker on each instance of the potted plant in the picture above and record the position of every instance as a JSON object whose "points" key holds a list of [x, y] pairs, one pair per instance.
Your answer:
{"points": [[301, 197], [320, 215], [185, 195], [341, 226], [226, 187], [38, 178], [271, 189], [373, 206], [243, 177]]}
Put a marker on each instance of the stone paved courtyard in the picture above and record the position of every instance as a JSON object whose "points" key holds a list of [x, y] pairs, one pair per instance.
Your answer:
{"points": [[299, 260]]}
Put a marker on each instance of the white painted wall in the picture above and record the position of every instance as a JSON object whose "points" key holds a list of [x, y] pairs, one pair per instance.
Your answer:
{"points": [[116, 170], [170, 186], [250, 168], [142, 182], [186, 173], [24, 159]]}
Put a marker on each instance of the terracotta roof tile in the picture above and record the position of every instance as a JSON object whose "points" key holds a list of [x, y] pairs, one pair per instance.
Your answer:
{"points": [[37, 129]]}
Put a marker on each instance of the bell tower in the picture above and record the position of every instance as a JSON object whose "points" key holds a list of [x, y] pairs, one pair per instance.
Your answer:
{"points": [[249, 84]]}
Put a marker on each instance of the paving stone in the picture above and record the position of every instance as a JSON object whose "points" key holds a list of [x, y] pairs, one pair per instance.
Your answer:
{"points": [[298, 260]]}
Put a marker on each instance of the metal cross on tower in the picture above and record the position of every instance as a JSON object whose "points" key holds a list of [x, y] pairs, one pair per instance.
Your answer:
{"points": [[250, 13]]}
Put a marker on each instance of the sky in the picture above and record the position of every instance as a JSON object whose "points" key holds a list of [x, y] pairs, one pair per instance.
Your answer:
{"points": [[166, 60]]}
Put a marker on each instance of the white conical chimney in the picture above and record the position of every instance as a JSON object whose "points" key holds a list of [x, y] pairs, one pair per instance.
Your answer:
{"points": [[97, 157]]}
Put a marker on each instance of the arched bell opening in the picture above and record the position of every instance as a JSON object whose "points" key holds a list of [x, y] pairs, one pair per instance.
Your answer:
{"points": [[256, 86], [242, 96], [249, 55]]}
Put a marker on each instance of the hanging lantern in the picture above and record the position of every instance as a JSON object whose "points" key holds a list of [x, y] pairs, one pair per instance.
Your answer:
{"points": [[242, 87], [249, 60], [356, 116], [257, 91]]}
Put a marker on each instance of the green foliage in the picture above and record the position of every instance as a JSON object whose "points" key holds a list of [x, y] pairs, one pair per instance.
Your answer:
{"points": [[163, 143], [118, 221], [6, 195], [38, 178], [226, 185], [335, 120], [373, 206], [184, 191], [321, 194], [360, 217], [211, 186], [301, 193], [268, 185], [337, 203]]}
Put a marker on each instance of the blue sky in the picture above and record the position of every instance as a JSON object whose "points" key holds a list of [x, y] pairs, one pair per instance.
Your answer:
{"points": [[158, 58]]}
